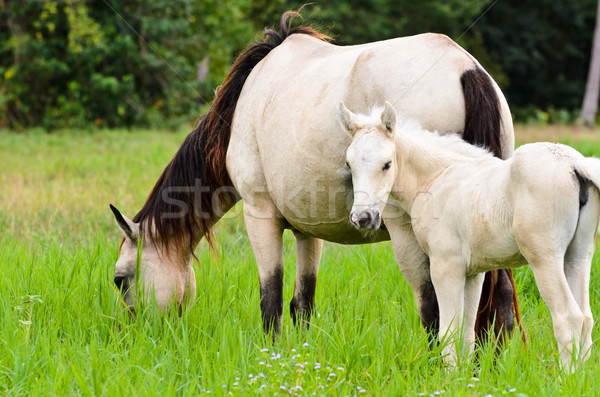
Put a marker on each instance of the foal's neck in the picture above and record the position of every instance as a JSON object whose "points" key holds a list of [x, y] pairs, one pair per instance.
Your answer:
{"points": [[421, 158]]}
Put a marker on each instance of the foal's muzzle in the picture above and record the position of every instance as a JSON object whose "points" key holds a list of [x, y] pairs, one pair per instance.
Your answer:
{"points": [[367, 219]]}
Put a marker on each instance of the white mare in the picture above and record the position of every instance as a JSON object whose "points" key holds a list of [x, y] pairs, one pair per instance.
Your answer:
{"points": [[472, 212], [272, 138]]}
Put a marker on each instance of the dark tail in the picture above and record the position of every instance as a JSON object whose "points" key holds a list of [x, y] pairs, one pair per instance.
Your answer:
{"points": [[201, 157], [482, 108], [499, 306]]}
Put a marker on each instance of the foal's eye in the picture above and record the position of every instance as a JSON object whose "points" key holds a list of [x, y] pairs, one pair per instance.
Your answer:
{"points": [[348, 165], [387, 166]]}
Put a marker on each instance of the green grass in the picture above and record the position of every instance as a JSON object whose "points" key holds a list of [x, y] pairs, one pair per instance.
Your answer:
{"points": [[62, 330]]}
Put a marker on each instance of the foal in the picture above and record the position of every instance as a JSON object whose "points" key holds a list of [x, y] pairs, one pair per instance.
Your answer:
{"points": [[472, 212]]}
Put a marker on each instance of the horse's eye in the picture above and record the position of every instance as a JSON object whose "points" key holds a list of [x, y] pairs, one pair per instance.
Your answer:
{"points": [[387, 166], [348, 165]]}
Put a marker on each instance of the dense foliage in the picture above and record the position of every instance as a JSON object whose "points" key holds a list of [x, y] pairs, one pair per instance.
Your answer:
{"points": [[145, 62]]}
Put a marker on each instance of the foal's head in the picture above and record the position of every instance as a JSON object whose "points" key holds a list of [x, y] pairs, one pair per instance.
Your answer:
{"points": [[144, 268], [372, 160]]}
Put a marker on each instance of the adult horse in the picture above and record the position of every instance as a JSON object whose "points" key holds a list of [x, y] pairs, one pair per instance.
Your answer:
{"points": [[272, 138]]}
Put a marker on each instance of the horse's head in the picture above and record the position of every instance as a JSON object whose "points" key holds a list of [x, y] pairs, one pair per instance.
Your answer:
{"points": [[146, 268], [371, 158]]}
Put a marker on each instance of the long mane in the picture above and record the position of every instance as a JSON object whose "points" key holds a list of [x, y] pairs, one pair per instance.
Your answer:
{"points": [[173, 213]]}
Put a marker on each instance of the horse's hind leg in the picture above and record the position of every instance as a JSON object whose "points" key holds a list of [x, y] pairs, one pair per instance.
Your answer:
{"points": [[578, 260], [308, 256], [265, 230]]}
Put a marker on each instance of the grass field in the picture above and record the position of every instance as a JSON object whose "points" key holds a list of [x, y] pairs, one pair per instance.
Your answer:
{"points": [[62, 331]]}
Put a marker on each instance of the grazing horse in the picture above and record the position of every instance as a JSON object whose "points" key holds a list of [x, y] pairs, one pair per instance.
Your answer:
{"points": [[472, 212], [272, 138]]}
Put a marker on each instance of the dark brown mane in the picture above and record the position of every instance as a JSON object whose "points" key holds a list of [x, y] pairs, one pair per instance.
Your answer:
{"points": [[176, 210]]}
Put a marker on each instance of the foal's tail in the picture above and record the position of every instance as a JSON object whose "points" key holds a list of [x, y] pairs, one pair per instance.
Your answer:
{"points": [[589, 169], [498, 306]]}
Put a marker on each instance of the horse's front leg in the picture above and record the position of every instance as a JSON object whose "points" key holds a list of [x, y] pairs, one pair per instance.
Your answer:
{"points": [[414, 265], [308, 257], [265, 231], [449, 280]]}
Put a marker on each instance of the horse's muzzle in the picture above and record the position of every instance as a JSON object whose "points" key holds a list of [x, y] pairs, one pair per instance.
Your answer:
{"points": [[367, 219]]}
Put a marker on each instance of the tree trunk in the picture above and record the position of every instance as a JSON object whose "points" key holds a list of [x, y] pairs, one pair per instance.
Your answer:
{"points": [[590, 100]]}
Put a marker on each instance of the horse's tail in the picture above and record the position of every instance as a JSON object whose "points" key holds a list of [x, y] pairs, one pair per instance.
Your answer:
{"points": [[200, 161], [499, 306], [482, 111]]}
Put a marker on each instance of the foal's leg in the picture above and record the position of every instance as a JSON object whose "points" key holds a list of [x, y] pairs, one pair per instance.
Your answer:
{"points": [[578, 262], [473, 286], [308, 256], [448, 277], [414, 266], [265, 231], [545, 255]]}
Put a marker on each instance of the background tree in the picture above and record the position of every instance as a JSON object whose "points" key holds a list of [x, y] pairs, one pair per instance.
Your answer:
{"points": [[150, 62], [590, 99]]}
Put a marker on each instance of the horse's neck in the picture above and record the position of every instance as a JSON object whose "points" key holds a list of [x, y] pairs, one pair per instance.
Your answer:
{"points": [[419, 164]]}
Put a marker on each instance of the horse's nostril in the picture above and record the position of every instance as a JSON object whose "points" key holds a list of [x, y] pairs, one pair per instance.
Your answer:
{"points": [[119, 280]]}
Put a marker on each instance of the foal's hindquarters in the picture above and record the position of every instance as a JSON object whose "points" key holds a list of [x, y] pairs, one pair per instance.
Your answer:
{"points": [[536, 207], [556, 211]]}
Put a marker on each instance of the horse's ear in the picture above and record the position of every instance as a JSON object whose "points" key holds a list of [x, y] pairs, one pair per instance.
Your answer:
{"points": [[388, 117], [128, 227], [347, 118]]}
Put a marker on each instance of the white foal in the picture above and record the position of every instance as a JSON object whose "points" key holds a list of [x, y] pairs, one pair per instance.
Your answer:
{"points": [[472, 212]]}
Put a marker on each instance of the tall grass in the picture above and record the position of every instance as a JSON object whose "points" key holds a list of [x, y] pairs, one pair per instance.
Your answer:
{"points": [[63, 329]]}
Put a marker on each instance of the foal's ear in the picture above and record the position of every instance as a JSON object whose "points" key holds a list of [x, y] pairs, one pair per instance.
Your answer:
{"points": [[128, 227], [347, 118], [388, 117]]}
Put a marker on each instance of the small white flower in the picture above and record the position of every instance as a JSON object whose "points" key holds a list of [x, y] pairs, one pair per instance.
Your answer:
{"points": [[340, 368], [294, 350], [283, 387], [264, 350], [437, 393], [262, 375], [298, 387], [250, 375], [263, 386], [332, 374], [237, 378], [305, 344], [512, 390], [261, 363], [235, 383]]}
